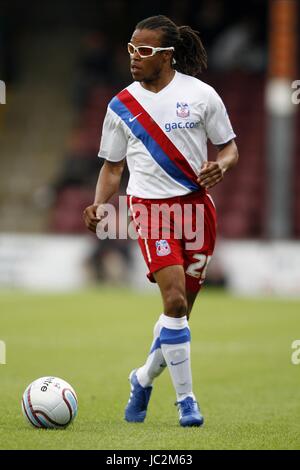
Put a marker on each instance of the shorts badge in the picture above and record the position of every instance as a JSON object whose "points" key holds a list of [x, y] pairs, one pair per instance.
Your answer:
{"points": [[162, 248]]}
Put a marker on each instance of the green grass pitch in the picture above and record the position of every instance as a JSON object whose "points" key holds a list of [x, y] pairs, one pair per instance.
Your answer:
{"points": [[245, 382]]}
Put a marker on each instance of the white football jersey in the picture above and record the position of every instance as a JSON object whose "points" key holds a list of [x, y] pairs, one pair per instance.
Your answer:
{"points": [[164, 135]]}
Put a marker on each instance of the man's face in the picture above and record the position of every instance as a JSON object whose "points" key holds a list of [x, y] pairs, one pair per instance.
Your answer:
{"points": [[149, 68]]}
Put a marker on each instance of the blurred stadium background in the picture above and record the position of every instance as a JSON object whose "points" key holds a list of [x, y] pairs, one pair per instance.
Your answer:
{"points": [[61, 63]]}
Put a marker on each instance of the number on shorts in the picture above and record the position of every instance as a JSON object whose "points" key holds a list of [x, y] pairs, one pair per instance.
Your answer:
{"points": [[199, 268]]}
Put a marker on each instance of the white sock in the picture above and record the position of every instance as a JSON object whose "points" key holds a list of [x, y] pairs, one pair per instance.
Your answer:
{"points": [[175, 345], [155, 363]]}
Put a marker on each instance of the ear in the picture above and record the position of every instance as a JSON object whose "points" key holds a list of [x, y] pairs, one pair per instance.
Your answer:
{"points": [[168, 57]]}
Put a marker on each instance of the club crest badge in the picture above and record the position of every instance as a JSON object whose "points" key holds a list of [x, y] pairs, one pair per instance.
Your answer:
{"points": [[182, 110], [162, 248]]}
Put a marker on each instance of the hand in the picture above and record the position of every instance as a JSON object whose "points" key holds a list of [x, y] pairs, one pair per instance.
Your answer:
{"points": [[211, 173], [90, 217]]}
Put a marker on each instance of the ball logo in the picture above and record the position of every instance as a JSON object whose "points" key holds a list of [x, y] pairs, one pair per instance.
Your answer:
{"points": [[182, 110], [46, 384]]}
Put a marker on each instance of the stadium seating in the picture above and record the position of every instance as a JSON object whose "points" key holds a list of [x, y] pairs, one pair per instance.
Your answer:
{"points": [[240, 197]]}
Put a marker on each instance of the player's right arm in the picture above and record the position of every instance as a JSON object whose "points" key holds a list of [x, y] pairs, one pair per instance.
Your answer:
{"points": [[113, 149], [108, 184]]}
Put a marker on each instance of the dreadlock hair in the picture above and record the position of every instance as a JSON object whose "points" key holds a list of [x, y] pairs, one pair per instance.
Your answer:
{"points": [[190, 55]]}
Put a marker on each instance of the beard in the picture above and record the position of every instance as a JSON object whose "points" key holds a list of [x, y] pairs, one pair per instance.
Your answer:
{"points": [[151, 76]]}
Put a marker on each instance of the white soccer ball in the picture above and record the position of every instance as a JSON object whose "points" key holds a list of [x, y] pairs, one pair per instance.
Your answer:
{"points": [[49, 402]]}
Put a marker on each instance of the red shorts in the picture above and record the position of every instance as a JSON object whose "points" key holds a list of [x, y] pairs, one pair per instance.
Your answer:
{"points": [[183, 236]]}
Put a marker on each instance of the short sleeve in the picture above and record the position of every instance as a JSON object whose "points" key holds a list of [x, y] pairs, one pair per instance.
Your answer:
{"points": [[217, 124], [113, 145]]}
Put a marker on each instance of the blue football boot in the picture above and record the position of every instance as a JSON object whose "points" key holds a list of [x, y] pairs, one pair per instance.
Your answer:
{"points": [[136, 408], [189, 412]]}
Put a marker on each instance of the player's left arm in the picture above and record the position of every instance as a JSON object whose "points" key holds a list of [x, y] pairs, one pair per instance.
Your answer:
{"points": [[213, 172]]}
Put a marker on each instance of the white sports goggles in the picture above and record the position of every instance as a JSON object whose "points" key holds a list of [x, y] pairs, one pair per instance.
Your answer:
{"points": [[146, 51]]}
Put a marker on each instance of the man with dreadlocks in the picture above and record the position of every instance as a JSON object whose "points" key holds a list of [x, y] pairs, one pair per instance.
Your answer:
{"points": [[161, 123]]}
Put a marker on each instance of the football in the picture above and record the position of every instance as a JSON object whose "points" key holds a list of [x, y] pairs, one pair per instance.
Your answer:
{"points": [[49, 402]]}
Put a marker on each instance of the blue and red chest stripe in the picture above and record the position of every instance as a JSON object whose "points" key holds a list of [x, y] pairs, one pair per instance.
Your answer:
{"points": [[160, 147]]}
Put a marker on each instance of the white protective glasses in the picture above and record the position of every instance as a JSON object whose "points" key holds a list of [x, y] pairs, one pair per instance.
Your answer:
{"points": [[146, 51]]}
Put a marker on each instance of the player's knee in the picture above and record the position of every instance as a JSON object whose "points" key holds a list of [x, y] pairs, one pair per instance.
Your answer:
{"points": [[175, 303]]}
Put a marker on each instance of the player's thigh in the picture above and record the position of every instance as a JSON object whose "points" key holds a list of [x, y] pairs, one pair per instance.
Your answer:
{"points": [[190, 297], [171, 282], [171, 277], [197, 254], [195, 266]]}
